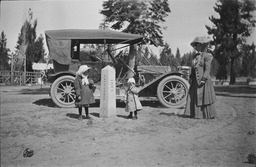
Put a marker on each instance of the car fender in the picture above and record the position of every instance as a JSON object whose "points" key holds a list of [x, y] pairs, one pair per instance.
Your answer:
{"points": [[52, 77], [150, 88]]}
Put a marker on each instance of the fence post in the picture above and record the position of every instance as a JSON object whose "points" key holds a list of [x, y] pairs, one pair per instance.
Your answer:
{"points": [[12, 71], [25, 69], [20, 80]]}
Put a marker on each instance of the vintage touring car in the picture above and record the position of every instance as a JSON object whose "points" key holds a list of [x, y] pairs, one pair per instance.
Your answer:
{"points": [[65, 49]]}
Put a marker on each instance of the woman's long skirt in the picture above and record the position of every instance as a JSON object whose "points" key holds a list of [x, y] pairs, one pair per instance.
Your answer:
{"points": [[195, 111]]}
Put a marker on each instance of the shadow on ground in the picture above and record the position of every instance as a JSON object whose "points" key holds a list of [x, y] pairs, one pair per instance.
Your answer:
{"points": [[74, 116], [246, 91], [45, 102], [120, 104], [235, 95], [238, 89], [173, 114], [35, 91], [49, 103]]}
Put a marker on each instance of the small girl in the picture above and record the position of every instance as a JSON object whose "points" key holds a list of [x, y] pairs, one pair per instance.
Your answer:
{"points": [[84, 91], [132, 100]]}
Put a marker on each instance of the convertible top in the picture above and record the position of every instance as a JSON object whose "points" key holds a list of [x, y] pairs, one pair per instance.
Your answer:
{"points": [[59, 41], [94, 36]]}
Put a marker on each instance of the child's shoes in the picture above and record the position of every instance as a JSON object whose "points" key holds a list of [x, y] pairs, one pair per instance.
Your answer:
{"points": [[135, 117], [80, 117], [129, 117], [88, 117]]}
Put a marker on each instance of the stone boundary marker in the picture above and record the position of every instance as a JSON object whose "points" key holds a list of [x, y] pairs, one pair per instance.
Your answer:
{"points": [[108, 92]]}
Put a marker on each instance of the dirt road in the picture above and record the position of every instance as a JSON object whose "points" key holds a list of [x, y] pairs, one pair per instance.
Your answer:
{"points": [[159, 137]]}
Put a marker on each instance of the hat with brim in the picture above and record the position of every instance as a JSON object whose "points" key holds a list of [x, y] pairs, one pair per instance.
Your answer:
{"points": [[201, 40], [82, 69]]}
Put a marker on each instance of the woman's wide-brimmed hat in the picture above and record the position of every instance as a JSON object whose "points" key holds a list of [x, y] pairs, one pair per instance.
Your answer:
{"points": [[201, 40], [82, 69]]}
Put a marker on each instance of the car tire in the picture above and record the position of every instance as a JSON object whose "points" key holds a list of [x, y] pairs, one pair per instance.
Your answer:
{"points": [[63, 92], [172, 91]]}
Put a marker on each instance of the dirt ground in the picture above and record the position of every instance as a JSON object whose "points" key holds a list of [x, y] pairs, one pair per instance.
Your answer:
{"points": [[160, 137]]}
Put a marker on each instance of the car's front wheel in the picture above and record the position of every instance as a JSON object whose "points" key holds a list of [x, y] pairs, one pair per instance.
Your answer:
{"points": [[63, 91], [172, 91]]}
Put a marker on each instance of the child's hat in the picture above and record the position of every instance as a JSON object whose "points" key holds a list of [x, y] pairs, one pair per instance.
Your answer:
{"points": [[82, 69], [131, 80]]}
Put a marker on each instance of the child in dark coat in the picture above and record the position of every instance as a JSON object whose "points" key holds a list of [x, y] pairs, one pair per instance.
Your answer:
{"points": [[132, 100], [84, 93]]}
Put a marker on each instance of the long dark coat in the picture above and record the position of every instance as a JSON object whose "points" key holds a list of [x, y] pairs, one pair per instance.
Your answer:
{"points": [[201, 98], [132, 99], [202, 67], [84, 91]]}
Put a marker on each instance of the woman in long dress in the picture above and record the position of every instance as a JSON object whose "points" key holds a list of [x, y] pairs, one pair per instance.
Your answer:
{"points": [[201, 95]]}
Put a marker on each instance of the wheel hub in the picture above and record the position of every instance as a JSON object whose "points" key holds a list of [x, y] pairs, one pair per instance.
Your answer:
{"points": [[173, 91], [176, 93], [67, 90]]}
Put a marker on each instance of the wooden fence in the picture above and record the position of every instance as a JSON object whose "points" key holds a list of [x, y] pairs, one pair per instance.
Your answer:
{"points": [[19, 78]]}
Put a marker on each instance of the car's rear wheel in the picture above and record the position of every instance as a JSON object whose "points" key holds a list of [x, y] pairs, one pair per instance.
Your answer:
{"points": [[172, 91], [63, 91]]}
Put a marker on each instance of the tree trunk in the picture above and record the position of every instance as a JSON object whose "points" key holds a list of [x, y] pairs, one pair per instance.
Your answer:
{"points": [[131, 59], [232, 72]]}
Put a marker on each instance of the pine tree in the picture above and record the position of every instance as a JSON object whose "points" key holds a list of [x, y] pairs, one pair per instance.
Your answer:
{"points": [[137, 17], [249, 60], [173, 62], [4, 56], [186, 59], [153, 60], [230, 31], [165, 55], [35, 52], [178, 57], [29, 45]]}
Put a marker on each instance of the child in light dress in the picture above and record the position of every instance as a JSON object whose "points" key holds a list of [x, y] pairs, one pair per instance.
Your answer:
{"points": [[133, 104]]}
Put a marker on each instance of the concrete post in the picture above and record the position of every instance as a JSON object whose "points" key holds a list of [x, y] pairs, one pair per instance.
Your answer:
{"points": [[108, 92]]}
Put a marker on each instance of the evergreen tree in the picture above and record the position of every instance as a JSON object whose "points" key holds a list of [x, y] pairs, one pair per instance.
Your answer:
{"points": [[143, 56], [173, 62], [186, 59], [153, 60], [28, 45], [4, 56], [249, 60], [35, 53], [178, 57], [165, 55], [230, 31], [137, 17]]}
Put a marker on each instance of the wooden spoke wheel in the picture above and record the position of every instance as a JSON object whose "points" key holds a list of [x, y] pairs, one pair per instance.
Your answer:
{"points": [[172, 91], [63, 91]]}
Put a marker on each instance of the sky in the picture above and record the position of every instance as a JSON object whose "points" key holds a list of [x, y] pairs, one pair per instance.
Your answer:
{"points": [[186, 20]]}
